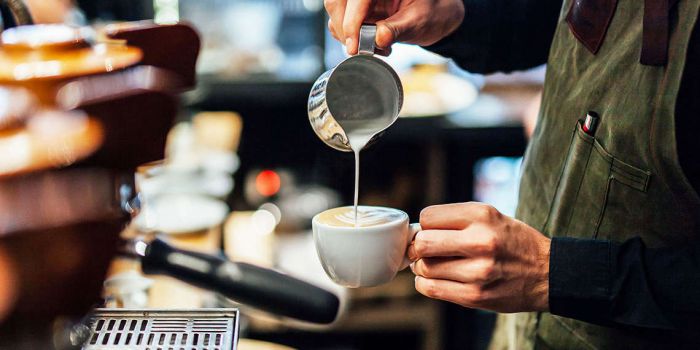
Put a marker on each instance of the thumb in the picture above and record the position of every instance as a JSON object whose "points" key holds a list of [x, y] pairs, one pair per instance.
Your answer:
{"points": [[395, 28]]}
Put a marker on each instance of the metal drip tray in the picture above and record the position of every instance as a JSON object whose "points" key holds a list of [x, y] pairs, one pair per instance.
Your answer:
{"points": [[210, 329]]}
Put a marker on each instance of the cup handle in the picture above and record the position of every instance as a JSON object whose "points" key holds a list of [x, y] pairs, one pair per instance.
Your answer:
{"points": [[368, 35], [412, 231]]}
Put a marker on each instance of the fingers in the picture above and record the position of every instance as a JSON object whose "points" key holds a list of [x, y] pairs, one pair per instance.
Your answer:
{"points": [[451, 216], [385, 34], [481, 271], [413, 22], [460, 293], [336, 12], [331, 29], [355, 13], [347, 17], [403, 25], [432, 243], [477, 241], [457, 216]]}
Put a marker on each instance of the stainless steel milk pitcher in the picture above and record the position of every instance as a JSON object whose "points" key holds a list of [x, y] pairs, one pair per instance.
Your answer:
{"points": [[361, 94]]}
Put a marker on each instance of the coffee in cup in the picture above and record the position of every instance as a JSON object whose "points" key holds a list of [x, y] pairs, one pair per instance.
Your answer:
{"points": [[366, 252], [366, 216]]}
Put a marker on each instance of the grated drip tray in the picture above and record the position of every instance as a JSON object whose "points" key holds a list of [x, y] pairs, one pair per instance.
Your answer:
{"points": [[116, 329]]}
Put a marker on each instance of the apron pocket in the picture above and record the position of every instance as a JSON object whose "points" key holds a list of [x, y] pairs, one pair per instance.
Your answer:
{"points": [[578, 199], [584, 189], [627, 208]]}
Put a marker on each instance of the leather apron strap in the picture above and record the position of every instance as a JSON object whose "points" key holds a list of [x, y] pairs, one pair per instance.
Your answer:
{"points": [[655, 32]]}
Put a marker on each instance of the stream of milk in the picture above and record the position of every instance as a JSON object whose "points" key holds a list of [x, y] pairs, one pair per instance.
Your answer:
{"points": [[358, 141]]}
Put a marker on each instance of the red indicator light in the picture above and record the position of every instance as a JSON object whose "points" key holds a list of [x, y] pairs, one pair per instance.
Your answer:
{"points": [[267, 183]]}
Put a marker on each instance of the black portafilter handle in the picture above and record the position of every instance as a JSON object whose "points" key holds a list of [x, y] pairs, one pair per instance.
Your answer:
{"points": [[261, 288]]}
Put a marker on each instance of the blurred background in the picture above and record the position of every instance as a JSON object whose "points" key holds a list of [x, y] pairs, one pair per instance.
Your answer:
{"points": [[244, 171]]}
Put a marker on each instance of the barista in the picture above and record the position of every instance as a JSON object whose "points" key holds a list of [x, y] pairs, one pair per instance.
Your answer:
{"points": [[604, 252]]}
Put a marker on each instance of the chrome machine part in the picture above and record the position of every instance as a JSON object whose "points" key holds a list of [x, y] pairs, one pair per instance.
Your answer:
{"points": [[115, 329], [14, 13], [362, 94]]}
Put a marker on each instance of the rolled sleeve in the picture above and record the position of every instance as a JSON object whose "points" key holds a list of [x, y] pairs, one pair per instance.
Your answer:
{"points": [[579, 277], [624, 284]]}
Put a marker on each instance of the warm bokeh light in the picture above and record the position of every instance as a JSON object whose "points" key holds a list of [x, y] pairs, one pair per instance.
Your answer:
{"points": [[8, 283], [263, 222], [268, 183]]}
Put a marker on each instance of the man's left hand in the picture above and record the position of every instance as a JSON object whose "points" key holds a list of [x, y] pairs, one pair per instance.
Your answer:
{"points": [[472, 255]]}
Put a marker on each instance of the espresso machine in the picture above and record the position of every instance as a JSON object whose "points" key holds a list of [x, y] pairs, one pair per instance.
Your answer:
{"points": [[79, 112]]}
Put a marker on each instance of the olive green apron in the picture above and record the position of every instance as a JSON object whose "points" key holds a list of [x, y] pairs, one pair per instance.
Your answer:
{"points": [[624, 181]]}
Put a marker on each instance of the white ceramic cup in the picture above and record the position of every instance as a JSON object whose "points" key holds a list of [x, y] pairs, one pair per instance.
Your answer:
{"points": [[364, 256]]}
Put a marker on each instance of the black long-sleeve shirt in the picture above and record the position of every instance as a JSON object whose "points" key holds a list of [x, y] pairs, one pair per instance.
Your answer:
{"points": [[603, 282]]}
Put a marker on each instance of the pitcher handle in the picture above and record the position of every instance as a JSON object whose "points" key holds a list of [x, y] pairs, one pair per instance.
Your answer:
{"points": [[368, 34], [19, 12]]}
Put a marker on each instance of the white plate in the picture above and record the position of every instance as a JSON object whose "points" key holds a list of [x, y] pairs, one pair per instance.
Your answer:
{"points": [[214, 184], [179, 213], [443, 94]]}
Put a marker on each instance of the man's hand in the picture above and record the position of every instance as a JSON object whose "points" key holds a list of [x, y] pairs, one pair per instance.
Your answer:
{"points": [[472, 255], [421, 22]]}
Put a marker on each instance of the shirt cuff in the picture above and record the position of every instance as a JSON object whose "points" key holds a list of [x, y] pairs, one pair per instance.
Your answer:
{"points": [[579, 278]]}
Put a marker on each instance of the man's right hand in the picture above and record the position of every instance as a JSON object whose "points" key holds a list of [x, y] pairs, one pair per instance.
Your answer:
{"points": [[421, 22]]}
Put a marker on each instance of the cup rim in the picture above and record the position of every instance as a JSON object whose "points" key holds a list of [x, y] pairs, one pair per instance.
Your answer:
{"points": [[314, 220]]}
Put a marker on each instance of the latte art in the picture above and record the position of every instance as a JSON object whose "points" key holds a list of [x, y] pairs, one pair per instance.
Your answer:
{"points": [[366, 216]]}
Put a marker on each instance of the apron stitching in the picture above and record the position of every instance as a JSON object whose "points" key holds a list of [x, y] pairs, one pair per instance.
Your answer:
{"points": [[638, 178], [627, 169], [663, 86], [561, 174], [603, 208], [578, 190], [652, 133], [640, 185], [603, 153], [622, 169], [655, 160]]}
